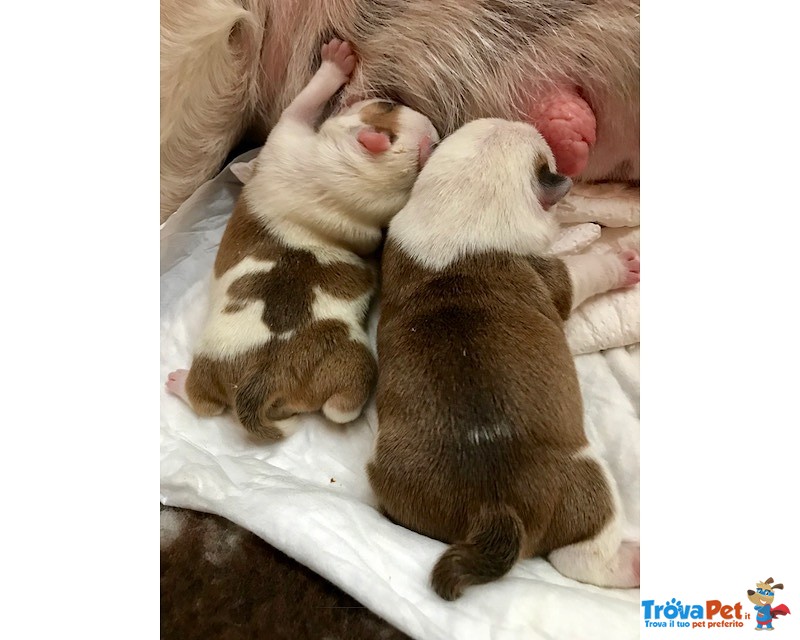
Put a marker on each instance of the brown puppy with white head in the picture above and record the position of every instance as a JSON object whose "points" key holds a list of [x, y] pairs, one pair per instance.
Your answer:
{"points": [[480, 439], [291, 286]]}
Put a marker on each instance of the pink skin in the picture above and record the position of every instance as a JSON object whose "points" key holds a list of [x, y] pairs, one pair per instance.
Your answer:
{"points": [[376, 142], [338, 63], [568, 124], [630, 260], [631, 550], [424, 150], [176, 384], [373, 141], [340, 54]]}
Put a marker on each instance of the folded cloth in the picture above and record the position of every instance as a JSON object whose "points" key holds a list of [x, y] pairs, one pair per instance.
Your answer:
{"points": [[599, 219]]}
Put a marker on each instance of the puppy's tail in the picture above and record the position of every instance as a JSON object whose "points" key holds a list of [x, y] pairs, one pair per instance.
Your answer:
{"points": [[252, 403], [492, 547]]}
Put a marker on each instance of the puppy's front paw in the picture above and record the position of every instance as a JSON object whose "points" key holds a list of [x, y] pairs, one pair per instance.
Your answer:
{"points": [[629, 274], [340, 55]]}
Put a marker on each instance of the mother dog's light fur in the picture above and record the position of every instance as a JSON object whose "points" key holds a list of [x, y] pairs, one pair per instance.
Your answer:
{"points": [[209, 60], [227, 65]]}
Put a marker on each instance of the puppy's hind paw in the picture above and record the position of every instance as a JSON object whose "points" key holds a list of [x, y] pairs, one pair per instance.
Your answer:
{"points": [[630, 263], [176, 383]]}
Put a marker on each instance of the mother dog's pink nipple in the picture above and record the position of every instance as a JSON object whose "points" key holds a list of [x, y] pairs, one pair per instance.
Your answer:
{"points": [[568, 124]]}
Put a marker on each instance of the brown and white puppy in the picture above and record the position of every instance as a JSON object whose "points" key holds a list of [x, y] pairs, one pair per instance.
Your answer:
{"points": [[291, 287], [480, 439], [228, 65]]}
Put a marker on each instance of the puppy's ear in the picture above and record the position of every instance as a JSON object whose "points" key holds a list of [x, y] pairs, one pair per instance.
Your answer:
{"points": [[374, 141], [552, 186], [244, 170], [778, 586]]}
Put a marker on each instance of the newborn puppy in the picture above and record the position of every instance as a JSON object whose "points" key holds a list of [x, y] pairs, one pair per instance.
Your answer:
{"points": [[480, 439], [291, 288]]}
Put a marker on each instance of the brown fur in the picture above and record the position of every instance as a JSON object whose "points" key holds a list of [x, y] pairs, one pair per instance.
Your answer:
{"points": [[285, 377], [221, 582], [382, 116], [319, 362], [244, 237], [480, 414], [288, 289]]}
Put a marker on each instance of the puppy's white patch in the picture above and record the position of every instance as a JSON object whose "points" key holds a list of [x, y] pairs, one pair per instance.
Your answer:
{"points": [[289, 426], [487, 434], [603, 560], [478, 193], [591, 274], [228, 334], [340, 417], [351, 312]]}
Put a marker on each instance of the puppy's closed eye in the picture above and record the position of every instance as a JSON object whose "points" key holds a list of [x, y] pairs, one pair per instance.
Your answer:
{"points": [[552, 186]]}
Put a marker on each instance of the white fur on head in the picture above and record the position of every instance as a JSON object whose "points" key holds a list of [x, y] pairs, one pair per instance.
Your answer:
{"points": [[479, 193], [375, 184], [324, 187]]}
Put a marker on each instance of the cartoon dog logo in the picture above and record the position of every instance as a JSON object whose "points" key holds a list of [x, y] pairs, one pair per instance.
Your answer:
{"points": [[762, 597]]}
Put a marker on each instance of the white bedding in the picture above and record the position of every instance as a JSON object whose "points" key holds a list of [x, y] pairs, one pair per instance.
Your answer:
{"points": [[309, 495]]}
